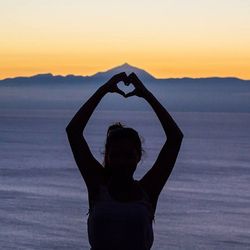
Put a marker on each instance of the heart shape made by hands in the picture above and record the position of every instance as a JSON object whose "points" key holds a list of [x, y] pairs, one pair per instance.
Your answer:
{"points": [[126, 87]]}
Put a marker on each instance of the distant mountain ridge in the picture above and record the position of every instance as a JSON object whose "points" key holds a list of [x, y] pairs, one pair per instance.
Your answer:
{"points": [[99, 75], [212, 94], [105, 75]]}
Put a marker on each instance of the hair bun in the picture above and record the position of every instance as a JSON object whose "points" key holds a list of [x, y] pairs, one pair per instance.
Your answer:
{"points": [[114, 126]]}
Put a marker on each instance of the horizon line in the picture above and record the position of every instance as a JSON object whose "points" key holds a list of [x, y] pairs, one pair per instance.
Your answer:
{"points": [[161, 78], [115, 67]]}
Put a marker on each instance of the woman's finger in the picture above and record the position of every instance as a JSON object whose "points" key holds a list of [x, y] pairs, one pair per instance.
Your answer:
{"points": [[133, 93], [119, 77], [117, 90]]}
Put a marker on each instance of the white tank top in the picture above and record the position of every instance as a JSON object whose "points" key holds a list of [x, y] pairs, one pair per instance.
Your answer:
{"points": [[115, 225]]}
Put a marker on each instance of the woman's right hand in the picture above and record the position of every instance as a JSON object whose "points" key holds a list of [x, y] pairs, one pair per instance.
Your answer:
{"points": [[111, 85]]}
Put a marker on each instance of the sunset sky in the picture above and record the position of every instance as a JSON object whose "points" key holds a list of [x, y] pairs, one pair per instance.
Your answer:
{"points": [[167, 38]]}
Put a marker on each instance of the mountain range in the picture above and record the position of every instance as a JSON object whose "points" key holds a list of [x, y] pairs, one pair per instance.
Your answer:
{"points": [[48, 77], [213, 94], [105, 75]]}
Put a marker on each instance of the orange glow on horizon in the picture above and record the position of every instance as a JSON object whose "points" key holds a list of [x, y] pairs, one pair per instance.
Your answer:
{"points": [[170, 66]]}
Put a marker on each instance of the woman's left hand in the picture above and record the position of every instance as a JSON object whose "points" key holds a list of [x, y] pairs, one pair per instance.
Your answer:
{"points": [[111, 85]]}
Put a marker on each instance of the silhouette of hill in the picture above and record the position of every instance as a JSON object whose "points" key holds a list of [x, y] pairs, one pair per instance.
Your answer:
{"points": [[45, 79]]}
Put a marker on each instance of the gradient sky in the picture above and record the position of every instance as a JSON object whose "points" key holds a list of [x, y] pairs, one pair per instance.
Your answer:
{"points": [[168, 38]]}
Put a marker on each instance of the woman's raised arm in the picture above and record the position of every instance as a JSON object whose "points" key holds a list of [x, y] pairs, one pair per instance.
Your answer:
{"points": [[154, 180], [90, 168]]}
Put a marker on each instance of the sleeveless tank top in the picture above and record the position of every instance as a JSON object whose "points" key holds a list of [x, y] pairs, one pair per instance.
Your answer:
{"points": [[115, 225]]}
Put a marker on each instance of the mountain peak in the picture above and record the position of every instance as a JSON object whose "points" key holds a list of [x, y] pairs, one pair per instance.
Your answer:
{"points": [[128, 69], [125, 64]]}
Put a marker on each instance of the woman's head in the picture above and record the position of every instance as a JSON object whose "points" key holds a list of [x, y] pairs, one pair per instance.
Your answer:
{"points": [[123, 150]]}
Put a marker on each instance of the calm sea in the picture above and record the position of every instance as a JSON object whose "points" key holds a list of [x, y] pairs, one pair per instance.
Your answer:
{"points": [[204, 205]]}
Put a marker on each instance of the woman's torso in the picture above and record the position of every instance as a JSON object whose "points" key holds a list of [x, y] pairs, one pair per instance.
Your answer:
{"points": [[114, 224]]}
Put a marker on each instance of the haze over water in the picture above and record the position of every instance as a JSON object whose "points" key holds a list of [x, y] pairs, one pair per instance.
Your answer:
{"points": [[205, 204]]}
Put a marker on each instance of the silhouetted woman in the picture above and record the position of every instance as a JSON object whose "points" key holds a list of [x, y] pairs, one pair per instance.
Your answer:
{"points": [[121, 208]]}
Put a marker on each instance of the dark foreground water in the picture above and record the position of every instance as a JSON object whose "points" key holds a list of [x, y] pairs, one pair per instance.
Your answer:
{"points": [[205, 204]]}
